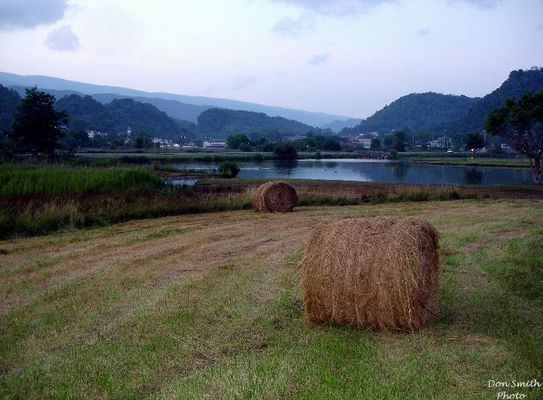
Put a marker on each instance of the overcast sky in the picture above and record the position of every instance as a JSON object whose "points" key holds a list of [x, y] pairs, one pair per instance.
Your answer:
{"points": [[348, 57]]}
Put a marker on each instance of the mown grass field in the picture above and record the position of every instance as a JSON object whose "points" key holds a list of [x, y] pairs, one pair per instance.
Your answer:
{"points": [[208, 306]]}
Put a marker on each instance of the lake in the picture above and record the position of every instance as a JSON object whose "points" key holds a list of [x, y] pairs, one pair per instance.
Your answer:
{"points": [[362, 170]]}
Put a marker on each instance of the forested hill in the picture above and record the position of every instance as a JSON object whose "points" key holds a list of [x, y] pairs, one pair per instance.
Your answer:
{"points": [[220, 122], [435, 113], [115, 117], [517, 84], [417, 112]]}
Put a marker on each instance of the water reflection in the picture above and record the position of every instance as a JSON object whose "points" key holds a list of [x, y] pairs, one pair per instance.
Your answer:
{"points": [[329, 165], [182, 182], [285, 166], [473, 176], [400, 170], [375, 171]]}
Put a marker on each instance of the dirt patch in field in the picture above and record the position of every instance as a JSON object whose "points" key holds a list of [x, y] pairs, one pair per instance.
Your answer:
{"points": [[504, 234]]}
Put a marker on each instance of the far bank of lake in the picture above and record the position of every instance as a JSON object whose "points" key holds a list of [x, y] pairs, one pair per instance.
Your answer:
{"points": [[363, 170]]}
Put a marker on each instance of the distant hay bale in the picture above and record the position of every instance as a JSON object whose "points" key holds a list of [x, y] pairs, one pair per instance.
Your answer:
{"points": [[376, 272], [275, 197]]}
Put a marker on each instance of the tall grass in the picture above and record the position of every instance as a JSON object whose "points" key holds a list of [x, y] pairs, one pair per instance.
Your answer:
{"points": [[41, 200], [44, 180]]}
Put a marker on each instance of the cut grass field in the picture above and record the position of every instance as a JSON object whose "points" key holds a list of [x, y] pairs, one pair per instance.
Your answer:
{"points": [[208, 306]]}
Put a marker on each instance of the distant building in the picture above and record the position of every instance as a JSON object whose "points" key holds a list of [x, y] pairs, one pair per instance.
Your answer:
{"points": [[443, 142], [294, 138], [366, 143], [92, 134], [356, 141], [165, 143], [505, 147], [215, 144]]}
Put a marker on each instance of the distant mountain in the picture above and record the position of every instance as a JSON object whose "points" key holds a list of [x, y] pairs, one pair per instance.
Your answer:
{"points": [[219, 122], [21, 90], [337, 125], [175, 109], [517, 84], [119, 115], [428, 112], [46, 82]]}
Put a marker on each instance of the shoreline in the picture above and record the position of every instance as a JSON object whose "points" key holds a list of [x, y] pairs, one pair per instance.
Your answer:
{"points": [[463, 163]]}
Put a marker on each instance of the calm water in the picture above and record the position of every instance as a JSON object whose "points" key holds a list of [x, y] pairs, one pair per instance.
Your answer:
{"points": [[375, 171]]}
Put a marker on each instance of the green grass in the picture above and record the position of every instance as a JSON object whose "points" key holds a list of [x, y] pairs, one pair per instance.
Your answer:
{"points": [[131, 328], [69, 180], [523, 271], [108, 160], [477, 161]]}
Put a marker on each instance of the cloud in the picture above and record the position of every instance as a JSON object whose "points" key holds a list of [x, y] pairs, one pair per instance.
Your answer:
{"points": [[482, 4], [289, 27], [335, 7], [318, 59], [424, 31], [242, 83], [351, 7], [539, 27], [24, 14], [62, 39]]}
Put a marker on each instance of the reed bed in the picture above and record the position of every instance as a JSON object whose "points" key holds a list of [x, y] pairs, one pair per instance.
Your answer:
{"points": [[68, 180]]}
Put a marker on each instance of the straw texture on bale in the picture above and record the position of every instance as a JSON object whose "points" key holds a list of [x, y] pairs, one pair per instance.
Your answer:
{"points": [[375, 272], [275, 197]]}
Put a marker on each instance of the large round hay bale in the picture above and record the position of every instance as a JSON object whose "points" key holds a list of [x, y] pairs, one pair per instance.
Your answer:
{"points": [[275, 197], [376, 272]]}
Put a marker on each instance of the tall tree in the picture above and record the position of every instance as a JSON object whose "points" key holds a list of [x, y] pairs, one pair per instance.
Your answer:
{"points": [[375, 144], [235, 141], [285, 151], [9, 101], [520, 124], [143, 141], [37, 125], [399, 141], [474, 141]]}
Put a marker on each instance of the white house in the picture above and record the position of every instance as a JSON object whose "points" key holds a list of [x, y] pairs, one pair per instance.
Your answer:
{"points": [[215, 144]]}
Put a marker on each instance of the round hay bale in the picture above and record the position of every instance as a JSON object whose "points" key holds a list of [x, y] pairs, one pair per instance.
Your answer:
{"points": [[376, 272], [275, 197]]}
